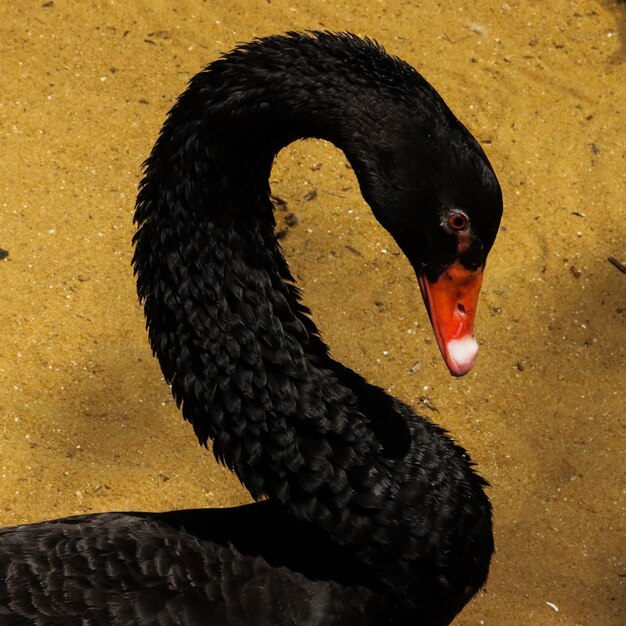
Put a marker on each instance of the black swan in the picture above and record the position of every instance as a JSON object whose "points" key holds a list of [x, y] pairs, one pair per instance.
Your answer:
{"points": [[370, 514]]}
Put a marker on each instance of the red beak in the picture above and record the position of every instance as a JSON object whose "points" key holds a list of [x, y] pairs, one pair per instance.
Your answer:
{"points": [[451, 302]]}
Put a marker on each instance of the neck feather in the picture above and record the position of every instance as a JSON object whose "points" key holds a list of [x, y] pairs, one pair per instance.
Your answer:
{"points": [[224, 317]]}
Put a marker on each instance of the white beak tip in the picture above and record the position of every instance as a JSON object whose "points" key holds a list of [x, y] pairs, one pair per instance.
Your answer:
{"points": [[462, 355]]}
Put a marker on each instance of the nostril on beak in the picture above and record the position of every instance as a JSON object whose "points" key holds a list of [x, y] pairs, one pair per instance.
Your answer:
{"points": [[460, 308]]}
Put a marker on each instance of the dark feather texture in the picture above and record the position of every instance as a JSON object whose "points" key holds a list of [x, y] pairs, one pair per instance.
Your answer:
{"points": [[243, 566], [375, 515]]}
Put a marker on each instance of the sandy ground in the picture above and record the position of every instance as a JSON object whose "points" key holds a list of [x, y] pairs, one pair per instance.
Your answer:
{"points": [[86, 422]]}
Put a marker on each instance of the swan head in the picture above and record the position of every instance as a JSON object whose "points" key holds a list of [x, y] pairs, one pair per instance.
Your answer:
{"points": [[432, 187]]}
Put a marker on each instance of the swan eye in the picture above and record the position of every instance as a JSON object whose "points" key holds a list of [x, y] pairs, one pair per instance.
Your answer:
{"points": [[458, 220]]}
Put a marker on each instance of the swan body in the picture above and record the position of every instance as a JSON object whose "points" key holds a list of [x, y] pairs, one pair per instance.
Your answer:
{"points": [[245, 565], [372, 514]]}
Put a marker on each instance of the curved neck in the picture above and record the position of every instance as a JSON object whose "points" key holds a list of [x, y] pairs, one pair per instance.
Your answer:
{"points": [[225, 321]]}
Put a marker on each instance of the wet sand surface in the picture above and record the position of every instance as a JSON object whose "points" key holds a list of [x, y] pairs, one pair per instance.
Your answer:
{"points": [[86, 421]]}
